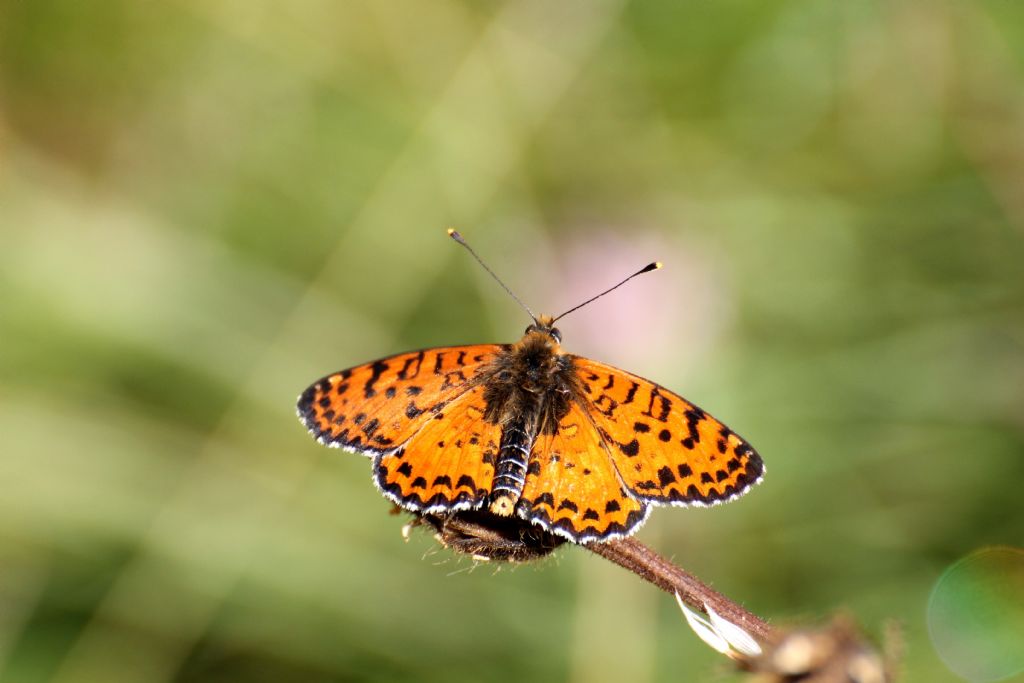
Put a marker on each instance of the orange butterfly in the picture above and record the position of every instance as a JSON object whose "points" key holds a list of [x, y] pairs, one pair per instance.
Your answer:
{"points": [[577, 447]]}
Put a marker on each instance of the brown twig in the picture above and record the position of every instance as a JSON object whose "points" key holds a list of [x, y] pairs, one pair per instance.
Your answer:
{"points": [[634, 556], [835, 653], [503, 538]]}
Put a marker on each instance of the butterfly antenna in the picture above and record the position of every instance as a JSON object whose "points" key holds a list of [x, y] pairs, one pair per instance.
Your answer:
{"points": [[646, 269], [454, 234]]}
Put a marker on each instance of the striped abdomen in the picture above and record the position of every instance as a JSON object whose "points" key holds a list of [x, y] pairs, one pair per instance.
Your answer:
{"points": [[510, 469]]}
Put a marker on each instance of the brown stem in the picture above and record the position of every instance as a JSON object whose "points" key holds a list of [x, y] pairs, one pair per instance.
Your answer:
{"points": [[507, 538], [633, 555], [820, 653]]}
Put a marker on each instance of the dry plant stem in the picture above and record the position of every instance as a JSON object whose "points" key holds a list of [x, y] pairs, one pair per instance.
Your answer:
{"points": [[650, 566]]}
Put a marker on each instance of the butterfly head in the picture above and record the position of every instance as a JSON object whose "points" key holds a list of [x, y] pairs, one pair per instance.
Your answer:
{"points": [[544, 327]]}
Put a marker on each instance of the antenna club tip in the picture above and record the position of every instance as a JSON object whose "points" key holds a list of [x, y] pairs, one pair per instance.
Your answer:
{"points": [[651, 266], [658, 264], [454, 234]]}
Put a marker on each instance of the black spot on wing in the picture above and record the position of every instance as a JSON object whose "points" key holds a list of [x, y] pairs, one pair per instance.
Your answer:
{"points": [[376, 370], [407, 371], [370, 427], [665, 477], [659, 406]]}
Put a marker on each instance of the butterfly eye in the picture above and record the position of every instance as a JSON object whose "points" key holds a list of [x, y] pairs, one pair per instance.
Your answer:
{"points": [[556, 335]]}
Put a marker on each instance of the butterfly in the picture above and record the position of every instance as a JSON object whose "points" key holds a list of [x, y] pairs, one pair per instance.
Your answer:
{"points": [[579, 448]]}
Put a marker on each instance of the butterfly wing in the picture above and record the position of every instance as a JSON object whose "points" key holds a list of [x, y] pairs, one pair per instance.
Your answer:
{"points": [[666, 450], [377, 407], [572, 488], [448, 464]]}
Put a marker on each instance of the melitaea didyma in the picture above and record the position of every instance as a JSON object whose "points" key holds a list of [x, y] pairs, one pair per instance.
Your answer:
{"points": [[577, 447]]}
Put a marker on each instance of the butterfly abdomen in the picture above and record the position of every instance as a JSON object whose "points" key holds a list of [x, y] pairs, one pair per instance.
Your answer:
{"points": [[510, 468]]}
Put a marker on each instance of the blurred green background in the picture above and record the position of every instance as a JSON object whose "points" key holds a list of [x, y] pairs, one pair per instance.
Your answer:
{"points": [[206, 205]]}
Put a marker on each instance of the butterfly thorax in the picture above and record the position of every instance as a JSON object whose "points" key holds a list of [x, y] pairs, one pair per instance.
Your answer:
{"points": [[529, 390]]}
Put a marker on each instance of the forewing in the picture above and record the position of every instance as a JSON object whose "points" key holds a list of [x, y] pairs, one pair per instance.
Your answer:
{"points": [[572, 488], [666, 450], [448, 464], [375, 408]]}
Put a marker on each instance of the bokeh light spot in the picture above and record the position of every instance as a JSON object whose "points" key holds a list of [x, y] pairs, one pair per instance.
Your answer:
{"points": [[976, 615]]}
